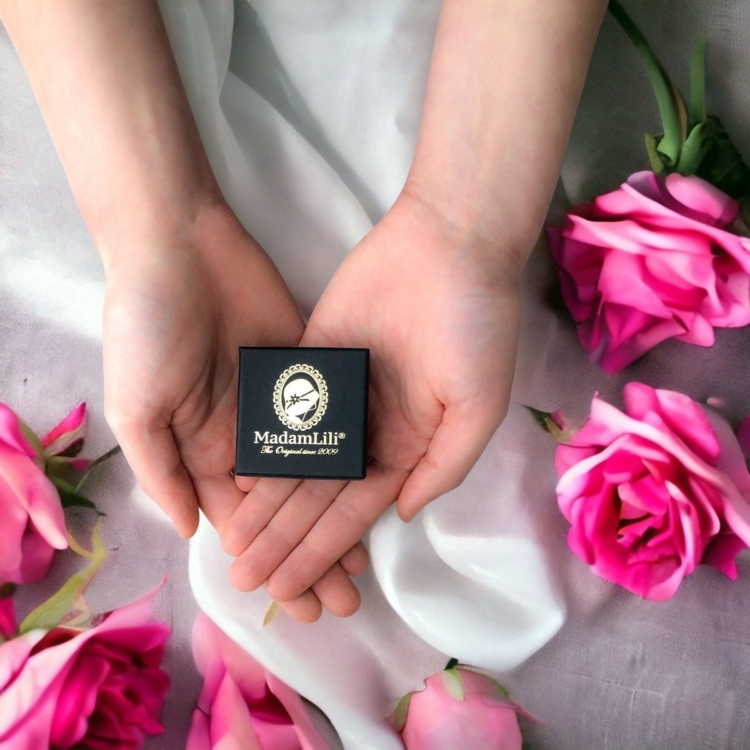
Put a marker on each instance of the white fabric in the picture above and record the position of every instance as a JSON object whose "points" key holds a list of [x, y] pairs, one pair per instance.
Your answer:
{"points": [[318, 116], [309, 112]]}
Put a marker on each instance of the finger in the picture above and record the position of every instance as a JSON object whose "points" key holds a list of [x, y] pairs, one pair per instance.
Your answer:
{"points": [[284, 532], [358, 506], [261, 504], [306, 608], [219, 498], [456, 446], [246, 484], [150, 449], [356, 560], [337, 593]]}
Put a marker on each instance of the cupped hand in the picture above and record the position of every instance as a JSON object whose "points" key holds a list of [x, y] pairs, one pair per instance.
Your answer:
{"points": [[439, 311], [176, 311]]}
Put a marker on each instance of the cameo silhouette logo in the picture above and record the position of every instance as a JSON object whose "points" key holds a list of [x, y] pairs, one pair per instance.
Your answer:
{"points": [[300, 397]]}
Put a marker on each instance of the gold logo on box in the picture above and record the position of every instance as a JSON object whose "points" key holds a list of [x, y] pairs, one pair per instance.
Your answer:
{"points": [[300, 397]]}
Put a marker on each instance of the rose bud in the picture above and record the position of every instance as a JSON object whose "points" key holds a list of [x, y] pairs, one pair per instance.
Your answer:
{"points": [[458, 708]]}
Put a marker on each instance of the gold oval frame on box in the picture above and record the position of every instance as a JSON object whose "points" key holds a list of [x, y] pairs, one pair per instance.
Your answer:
{"points": [[278, 401]]}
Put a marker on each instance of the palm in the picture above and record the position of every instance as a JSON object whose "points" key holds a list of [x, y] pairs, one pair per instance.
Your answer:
{"points": [[442, 334], [173, 325]]}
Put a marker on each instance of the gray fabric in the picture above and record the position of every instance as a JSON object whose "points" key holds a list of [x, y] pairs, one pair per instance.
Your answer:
{"points": [[625, 673]]}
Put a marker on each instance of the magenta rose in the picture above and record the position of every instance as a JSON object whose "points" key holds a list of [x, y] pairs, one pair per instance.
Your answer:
{"points": [[95, 689], [242, 706], [31, 516], [652, 261], [458, 708], [654, 491]]}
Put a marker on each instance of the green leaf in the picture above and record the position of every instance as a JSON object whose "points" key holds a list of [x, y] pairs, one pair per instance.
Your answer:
{"points": [[668, 97], [722, 164], [272, 611], [500, 691], [399, 714], [698, 82], [31, 436], [96, 462], [693, 151], [540, 417], [69, 497], [652, 143], [67, 603], [76, 501], [61, 484], [453, 684], [545, 420]]}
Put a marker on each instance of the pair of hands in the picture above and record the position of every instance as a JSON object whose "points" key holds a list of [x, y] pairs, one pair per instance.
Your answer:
{"points": [[438, 310]]}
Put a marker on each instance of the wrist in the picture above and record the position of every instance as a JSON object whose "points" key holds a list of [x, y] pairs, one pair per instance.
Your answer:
{"points": [[200, 229], [498, 246], [130, 237]]}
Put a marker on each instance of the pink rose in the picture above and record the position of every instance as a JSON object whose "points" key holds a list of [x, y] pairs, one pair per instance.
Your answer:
{"points": [[242, 706], [31, 517], [652, 261], [653, 492], [458, 708], [93, 690]]}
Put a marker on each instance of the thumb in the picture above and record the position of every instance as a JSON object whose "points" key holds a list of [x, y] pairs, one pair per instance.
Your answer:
{"points": [[456, 446], [149, 447]]}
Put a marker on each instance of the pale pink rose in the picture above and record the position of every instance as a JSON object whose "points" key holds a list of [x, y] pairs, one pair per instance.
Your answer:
{"points": [[652, 261], [459, 708], [653, 492], [31, 517], [241, 705], [95, 689]]}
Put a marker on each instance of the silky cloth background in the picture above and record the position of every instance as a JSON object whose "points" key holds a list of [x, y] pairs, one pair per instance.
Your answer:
{"points": [[309, 112]]}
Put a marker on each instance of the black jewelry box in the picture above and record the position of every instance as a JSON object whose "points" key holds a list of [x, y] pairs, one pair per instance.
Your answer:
{"points": [[302, 412]]}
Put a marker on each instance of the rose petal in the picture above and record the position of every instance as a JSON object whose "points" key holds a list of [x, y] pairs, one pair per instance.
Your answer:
{"points": [[69, 431], [722, 552], [199, 737], [703, 198], [77, 701], [683, 416], [11, 434], [8, 624], [231, 725]]}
